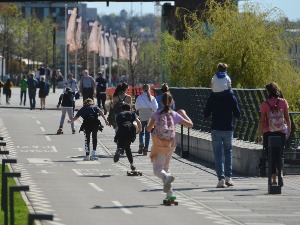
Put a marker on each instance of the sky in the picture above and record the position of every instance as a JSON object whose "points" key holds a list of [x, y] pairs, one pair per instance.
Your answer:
{"points": [[291, 8]]}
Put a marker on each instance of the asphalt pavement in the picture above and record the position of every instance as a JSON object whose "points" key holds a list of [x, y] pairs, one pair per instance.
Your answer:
{"points": [[99, 192]]}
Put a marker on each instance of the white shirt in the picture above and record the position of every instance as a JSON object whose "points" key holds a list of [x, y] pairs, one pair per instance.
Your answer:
{"points": [[220, 84], [145, 107]]}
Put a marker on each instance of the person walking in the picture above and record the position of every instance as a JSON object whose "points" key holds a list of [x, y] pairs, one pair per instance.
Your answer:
{"points": [[66, 102], [23, 85], [274, 121], [126, 133], [145, 104], [222, 107], [101, 83], [87, 86], [72, 84], [164, 89], [1, 86], [91, 124], [164, 139], [53, 78], [32, 84], [43, 91], [7, 90]]}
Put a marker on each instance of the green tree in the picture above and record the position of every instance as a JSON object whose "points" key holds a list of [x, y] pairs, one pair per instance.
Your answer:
{"points": [[254, 47]]}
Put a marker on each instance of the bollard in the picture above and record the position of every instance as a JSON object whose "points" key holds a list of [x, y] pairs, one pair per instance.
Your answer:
{"points": [[13, 189], [275, 144], [32, 217], [1, 138], [2, 143], [185, 154], [4, 194], [4, 161], [4, 152]]}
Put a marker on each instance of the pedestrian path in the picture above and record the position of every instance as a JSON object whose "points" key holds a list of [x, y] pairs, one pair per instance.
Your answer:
{"points": [[195, 182]]}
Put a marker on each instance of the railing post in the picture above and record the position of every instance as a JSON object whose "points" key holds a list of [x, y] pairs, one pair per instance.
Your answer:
{"points": [[274, 144], [32, 217], [4, 161], [13, 189], [4, 191]]}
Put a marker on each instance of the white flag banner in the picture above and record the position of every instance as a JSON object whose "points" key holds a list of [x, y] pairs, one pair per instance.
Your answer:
{"points": [[78, 34], [93, 39], [122, 48], [113, 47], [70, 35]]}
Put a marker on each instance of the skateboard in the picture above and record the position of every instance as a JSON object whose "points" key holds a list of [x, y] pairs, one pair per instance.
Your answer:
{"points": [[134, 173], [170, 200], [59, 131]]}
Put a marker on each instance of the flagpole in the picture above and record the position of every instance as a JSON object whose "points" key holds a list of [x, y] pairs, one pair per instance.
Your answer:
{"points": [[104, 57], [66, 46], [118, 55], [110, 36]]}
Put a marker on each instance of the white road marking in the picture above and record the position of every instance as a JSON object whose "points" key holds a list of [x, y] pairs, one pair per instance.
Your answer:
{"points": [[44, 171], [95, 186], [53, 149], [79, 149], [42, 129], [77, 172], [48, 138], [38, 122], [119, 205], [39, 160]]}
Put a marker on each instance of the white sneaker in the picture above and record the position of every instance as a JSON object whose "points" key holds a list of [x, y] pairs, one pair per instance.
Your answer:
{"points": [[94, 155], [167, 183], [228, 181], [170, 193], [221, 183], [87, 158]]}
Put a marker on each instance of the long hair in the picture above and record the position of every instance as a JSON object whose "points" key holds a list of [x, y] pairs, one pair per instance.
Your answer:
{"points": [[273, 90], [117, 90], [164, 88], [166, 102], [146, 88], [88, 102]]}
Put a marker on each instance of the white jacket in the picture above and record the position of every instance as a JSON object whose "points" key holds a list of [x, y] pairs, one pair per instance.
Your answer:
{"points": [[145, 107]]}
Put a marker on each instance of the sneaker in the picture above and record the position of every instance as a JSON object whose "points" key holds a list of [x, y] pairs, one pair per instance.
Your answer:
{"points": [[94, 155], [117, 155], [170, 193], [228, 181], [141, 148], [167, 183], [145, 152], [73, 131], [221, 183], [132, 167], [86, 158], [280, 181]]}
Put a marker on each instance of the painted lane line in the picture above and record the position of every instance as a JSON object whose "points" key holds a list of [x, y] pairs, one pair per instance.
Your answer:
{"points": [[95, 186], [48, 138], [77, 172], [38, 122], [44, 171], [42, 129], [120, 206], [53, 149]]}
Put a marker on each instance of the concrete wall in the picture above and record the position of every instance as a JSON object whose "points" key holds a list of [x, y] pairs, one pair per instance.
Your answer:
{"points": [[245, 155]]}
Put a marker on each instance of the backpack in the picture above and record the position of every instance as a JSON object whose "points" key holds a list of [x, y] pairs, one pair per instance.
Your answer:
{"points": [[119, 104], [164, 127], [275, 118]]}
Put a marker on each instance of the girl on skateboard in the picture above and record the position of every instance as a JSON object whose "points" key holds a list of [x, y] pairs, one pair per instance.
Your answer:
{"points": [[164, 141]]}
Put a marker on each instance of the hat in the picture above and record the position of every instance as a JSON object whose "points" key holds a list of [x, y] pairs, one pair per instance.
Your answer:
{"points": [[100, 74]]}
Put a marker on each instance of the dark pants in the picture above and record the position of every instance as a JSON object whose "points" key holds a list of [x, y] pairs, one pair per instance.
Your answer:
{"points": [[277, 154], [101, 99], [23, 93], [32, 94], [87, 93], [8, 96], [87, 133], [124, 144]]}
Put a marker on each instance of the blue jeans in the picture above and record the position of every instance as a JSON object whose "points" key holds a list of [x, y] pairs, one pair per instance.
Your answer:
{"points": [[32, 94], [222, 142], [144, 133]]}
